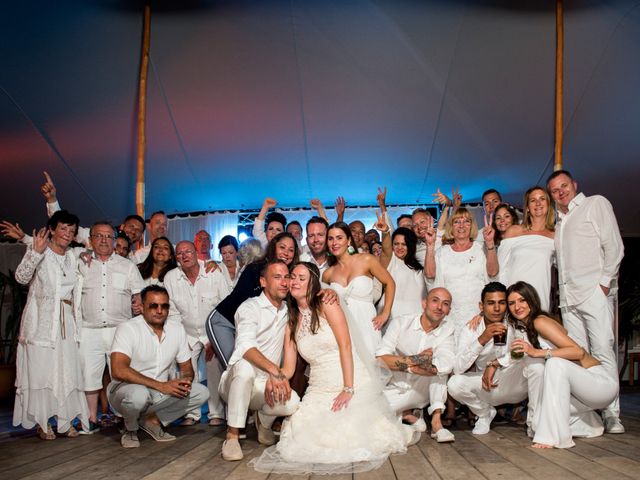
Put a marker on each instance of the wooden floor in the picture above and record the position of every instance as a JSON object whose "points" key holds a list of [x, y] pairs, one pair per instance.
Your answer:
{"points": [[504, 453]]}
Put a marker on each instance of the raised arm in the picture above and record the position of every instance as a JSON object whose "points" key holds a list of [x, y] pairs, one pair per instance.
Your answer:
{"points": [[340, 207], [387, 247], [492, 256], [316, 204], [258, 225], [33, 257]]}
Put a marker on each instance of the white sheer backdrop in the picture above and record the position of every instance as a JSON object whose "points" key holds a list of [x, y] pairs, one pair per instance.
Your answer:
{"points": [[217, 224], [220, 224]]}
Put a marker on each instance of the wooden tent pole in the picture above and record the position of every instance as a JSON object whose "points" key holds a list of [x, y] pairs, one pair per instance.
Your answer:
{"points": [[142, 109], [557, 164]]}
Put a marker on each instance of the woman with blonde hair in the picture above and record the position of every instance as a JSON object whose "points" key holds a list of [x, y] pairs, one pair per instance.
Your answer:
{"points": [[526, 251], [462, 265]]}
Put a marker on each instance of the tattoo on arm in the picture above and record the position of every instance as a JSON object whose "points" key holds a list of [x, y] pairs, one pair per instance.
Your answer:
{"points": [[402, 366]]}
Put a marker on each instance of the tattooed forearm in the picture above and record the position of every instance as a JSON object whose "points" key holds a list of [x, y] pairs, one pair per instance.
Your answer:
{"points": [[402, 366]]}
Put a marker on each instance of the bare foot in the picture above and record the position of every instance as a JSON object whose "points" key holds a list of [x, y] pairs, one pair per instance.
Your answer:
{"points": [[541, 446]]}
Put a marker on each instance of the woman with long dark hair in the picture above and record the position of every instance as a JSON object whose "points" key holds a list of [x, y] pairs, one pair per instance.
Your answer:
{"points": [[565, 381], [351, 275], [160, 260], [220, 324], [503, 217], [399, 258], [342, 393]]}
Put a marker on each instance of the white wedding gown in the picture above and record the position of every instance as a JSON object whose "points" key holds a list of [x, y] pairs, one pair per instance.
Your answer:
{"points": [[357, 296], [316, 440]]}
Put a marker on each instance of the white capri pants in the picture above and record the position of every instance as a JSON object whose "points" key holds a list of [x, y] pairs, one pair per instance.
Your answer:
{"points": [[418, 393], [242, 388], [467, 389], [95, 350], [569, 389]]}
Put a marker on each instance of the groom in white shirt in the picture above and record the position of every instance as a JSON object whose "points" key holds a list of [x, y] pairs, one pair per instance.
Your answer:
{"points": [[253, 379]]}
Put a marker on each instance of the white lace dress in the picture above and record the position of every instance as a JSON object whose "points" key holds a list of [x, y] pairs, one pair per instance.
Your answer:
{"points": [[464, 274], [48, 379], [316, 440]]}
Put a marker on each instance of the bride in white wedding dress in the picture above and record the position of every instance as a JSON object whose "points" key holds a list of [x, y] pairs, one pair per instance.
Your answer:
{"points": [[343, 424], [351, 276]]}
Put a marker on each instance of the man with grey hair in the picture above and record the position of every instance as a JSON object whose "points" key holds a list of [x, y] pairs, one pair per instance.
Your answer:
{"points": [[193, 293]]}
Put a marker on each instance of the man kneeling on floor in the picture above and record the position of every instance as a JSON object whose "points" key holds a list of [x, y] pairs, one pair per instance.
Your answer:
{"points": [[254, 379], [498, 378], [421, 353], [143, 352]]}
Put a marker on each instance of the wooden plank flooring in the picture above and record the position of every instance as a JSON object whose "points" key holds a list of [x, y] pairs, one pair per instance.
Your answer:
{"points": [[504, 453]]}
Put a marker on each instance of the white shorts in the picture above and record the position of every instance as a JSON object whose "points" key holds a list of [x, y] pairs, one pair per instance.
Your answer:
{"points": [[95, 350]]}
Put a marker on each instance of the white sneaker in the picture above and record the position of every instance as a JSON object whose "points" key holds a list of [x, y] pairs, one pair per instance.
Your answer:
{"points": [[443, 436], [483, 424], [415, 438], [419, 425], [613, 425]]}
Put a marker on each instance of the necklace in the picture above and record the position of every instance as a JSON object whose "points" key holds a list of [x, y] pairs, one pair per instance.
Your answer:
{"points": [[61, 260]]}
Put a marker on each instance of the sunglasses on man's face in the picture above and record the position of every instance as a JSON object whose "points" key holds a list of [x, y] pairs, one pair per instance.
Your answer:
{"points": [[163, 306]]}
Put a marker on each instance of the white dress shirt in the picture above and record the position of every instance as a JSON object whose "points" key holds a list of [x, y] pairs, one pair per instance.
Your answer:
{"points": [[260, 325], [471, 351], [151, 356], [589, 248], [405, 336], [191, 304], [225, 273], [307, 257], [107, 288]]}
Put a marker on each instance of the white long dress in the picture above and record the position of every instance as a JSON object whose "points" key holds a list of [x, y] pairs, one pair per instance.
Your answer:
{"points": [[48, 378], [411, 288], [464, 274], [528, 258], [316, 440], [357, 296]]}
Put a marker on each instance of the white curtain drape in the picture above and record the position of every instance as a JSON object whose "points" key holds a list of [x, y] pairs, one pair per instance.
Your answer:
{"points": [[216, 224], [221, 224]]}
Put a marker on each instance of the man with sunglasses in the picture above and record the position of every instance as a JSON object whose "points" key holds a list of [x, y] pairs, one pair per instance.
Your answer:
{"points": [[144, 351]]}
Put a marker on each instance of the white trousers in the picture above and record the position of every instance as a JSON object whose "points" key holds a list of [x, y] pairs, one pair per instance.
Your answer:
{"points": [[132, 401], [95, 350], [582, 424], [417, 393], [467, 389], [214, 372], [242, 388], [569, 389], [590, 324]]}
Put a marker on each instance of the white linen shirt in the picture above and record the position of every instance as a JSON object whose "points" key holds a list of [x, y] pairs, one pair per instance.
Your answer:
{"points": [[107, 288], [307, 257], [190, 303], [470, 350], [260, 325], [151, 356], [405, 336], [589, 248]]}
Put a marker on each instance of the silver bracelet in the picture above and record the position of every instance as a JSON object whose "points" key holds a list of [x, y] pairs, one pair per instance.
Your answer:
{"points": [[348, 390]]}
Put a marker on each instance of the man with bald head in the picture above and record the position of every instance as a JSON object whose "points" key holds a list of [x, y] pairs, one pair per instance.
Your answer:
{"points": [[421, 351], [193, 293], [357, 232]]}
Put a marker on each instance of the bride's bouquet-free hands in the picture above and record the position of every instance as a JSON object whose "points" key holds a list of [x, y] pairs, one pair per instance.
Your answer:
{"points": [[342, 400]]}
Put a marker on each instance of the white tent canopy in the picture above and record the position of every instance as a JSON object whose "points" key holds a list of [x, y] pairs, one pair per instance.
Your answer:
{"points": [[303, 99]]}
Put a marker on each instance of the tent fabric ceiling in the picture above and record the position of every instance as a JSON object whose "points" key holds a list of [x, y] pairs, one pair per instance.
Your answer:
{"points": [[302, 99]]}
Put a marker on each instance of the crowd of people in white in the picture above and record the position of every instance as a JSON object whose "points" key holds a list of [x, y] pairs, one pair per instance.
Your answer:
{"points": [[350, 335]]}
